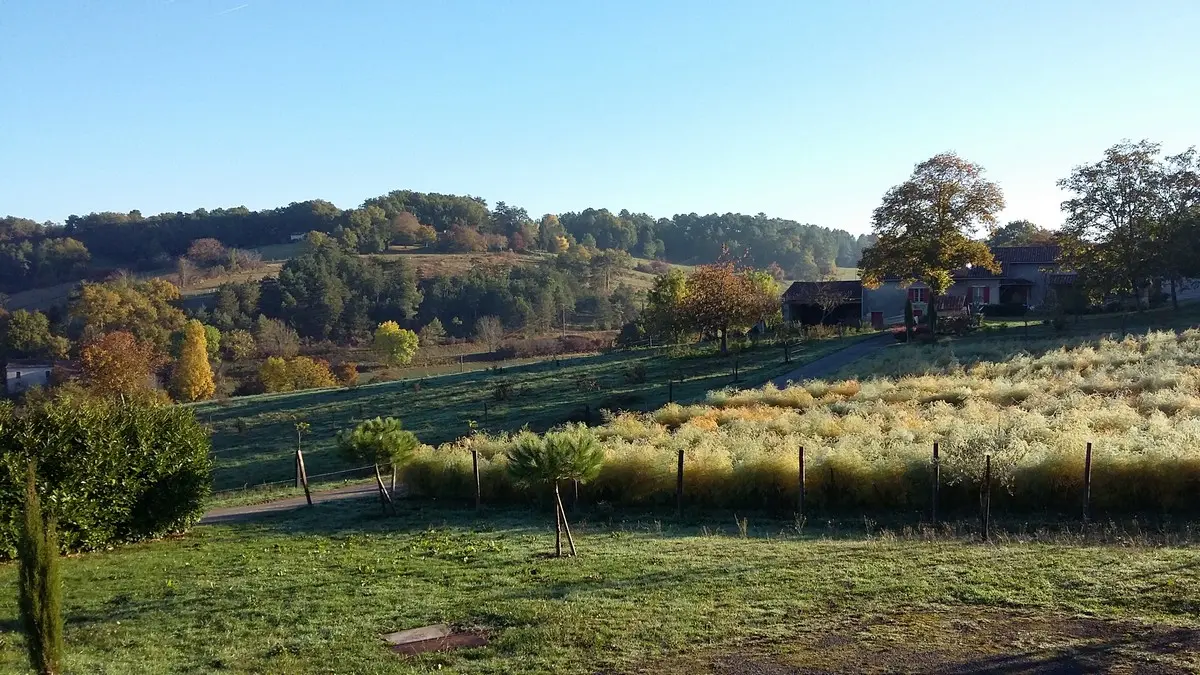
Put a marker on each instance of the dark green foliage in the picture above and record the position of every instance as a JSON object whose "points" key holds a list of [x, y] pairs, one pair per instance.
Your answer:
{"points": [[115, 473], [39, 589], [378, 441], [328, 293], [561, 455]]}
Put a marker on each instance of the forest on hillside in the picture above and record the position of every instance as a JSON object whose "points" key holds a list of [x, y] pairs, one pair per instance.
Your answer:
{"points": [[94, 245]]}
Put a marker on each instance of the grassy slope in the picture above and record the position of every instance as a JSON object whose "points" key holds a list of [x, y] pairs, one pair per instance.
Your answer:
{"points": [[312, 592], [253, 437]]}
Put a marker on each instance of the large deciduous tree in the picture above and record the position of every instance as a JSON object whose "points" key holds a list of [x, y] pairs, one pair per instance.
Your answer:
{"points": [[1110, 236], [924, 226], [395, 345], [119, 364], [720, 298]]}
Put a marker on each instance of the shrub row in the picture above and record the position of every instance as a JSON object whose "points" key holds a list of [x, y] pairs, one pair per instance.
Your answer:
{"points": [[570, 344], [835, 483], [110, 473]]}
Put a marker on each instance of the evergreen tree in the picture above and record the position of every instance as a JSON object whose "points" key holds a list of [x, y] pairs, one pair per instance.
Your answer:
{"points": [[39, 587]]}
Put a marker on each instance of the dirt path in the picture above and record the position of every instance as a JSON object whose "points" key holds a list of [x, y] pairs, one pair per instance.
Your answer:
{"points": [[831, 363], [232, 514]]}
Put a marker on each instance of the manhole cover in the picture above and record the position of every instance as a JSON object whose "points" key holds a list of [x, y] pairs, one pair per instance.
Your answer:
{"points": [[435, 638]]}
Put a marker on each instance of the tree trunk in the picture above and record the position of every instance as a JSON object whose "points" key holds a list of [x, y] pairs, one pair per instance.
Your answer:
{"points": [[557, 524], [1174, 296], [724, 341], [562, 514]]}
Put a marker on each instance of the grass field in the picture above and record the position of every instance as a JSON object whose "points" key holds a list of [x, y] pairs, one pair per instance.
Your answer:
{"points": [[312, 591], [254, 437]]}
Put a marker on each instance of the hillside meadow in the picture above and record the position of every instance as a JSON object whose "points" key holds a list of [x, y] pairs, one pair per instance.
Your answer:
{"points": [[254, 437], [1032, 406]]}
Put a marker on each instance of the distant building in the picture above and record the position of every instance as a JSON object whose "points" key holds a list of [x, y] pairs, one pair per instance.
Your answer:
{"points": [[298, 236], [20, 376], [1029, 276]]}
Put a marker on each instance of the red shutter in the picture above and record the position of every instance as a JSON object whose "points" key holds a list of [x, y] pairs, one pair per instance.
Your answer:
{"points": [[987, 295], [912, 295]]}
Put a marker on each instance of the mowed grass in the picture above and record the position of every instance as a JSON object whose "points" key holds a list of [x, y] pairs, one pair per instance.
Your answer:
{"points": [[313, 590], [254, 438]]}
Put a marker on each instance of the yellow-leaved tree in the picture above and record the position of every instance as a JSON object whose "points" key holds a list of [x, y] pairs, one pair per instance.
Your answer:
{"points": [[395, 345], [192, 377]]}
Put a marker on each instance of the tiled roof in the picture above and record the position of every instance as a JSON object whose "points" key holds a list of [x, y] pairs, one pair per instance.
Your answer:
{"points": [[1061, 278], [802, 290], [1026, 255]]}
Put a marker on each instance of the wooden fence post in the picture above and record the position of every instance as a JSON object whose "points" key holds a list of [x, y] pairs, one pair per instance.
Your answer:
{"points": [[475, 471], [800, 500], [787, 353], [987, 496], [937, 481], [735, 369], [679, 487], [302, 475], [670, 390], [297, 463], [1087, 483]]}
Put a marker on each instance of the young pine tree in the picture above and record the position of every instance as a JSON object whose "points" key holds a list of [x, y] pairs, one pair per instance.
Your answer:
{"points": [[565, 455], [39, 588], [192, 378], [379, 441]]}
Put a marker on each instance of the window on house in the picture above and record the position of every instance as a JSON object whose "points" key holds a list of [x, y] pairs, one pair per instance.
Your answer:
{"points": [[981, 295], [918, 294]]}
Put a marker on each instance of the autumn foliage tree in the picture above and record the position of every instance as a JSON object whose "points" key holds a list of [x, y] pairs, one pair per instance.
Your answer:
{"points": [[395, 345], [721, 297], [925, 225], [192, 377], [118, 363]]}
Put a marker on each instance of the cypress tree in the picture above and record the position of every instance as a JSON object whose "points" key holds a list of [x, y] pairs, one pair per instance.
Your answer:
{"points": [[39, 587], [910, 321], [192, 379]]}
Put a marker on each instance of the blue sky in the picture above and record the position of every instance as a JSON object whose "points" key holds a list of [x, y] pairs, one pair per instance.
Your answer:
{"points": [[801, 110]]}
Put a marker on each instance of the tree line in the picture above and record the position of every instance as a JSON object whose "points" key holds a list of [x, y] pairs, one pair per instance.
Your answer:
{"points": [[34, 253]]}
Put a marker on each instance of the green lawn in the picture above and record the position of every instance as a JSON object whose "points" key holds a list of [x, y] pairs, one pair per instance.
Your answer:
{"points": [[312, 591], [254, 437]]}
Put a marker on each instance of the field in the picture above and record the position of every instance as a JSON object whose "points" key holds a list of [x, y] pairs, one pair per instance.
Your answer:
{"points": [[1033, 407], [312, 591], [254, 437]]}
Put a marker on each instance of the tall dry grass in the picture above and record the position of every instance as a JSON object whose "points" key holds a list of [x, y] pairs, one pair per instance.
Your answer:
{"points": [[868, 442]]}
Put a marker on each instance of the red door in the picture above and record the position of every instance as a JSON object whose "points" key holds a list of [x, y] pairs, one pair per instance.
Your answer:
{"points": [[877, 320]]}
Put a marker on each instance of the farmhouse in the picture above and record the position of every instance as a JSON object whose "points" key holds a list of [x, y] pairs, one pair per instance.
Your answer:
{"points": [[20, 376], [1028, 277]]}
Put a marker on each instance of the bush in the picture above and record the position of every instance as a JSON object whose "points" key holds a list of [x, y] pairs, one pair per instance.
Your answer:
{"points": [[571, 344], [112, 473]]}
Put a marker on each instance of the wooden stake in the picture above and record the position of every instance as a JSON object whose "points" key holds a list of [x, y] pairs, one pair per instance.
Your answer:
{"points": [[303, 476], [800, 501], [1087, 483], [670, 391], [679, 487], [385, 499], [987, 497], [562, 513], [394, 472], [475, 471], [937, 482]]}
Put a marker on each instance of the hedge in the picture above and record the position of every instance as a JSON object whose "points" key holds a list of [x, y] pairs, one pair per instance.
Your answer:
{"points": [[111, 473]]}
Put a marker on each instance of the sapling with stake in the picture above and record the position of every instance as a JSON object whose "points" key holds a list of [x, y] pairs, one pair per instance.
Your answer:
{"points": [[379, 441], [573, 454]]}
